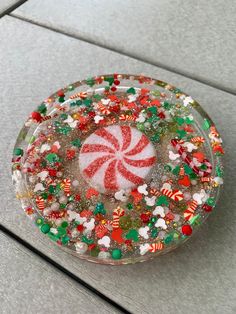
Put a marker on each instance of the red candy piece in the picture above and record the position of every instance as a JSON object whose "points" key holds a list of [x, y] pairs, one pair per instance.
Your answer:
{"points": [[207, 208], [187, 230], [145, 217], [117, 235], [185, 181], [36, 116]]}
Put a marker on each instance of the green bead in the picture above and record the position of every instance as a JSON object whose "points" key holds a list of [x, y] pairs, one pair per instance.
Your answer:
{"points": [[62, 206], [65, 239], [116, 254], [18, 151], [153, 219], [168, 239], [39, 221], [64, 224], [150, 224], [154, 232], [45, 228]]}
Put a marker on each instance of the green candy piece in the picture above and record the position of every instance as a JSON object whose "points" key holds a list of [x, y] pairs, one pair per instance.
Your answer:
{"points": [[179, 120], [155, 138], [193, 176], [153, 109], [189, 121], [76, 142], [61, 231], [18, 151], [162, 200], [211, 201], [86, 240], [79, 102], [181, 133], [187, 169], [42, 109], [156, 93], [45, 228], [166, 105], [116, 254], [52, 236], [132, 235], [206, 124], [140, 126], [195, 220], [90, 82], [131, 90], [87, 102], [52, 157], [61, 99], [167, 168], [70, 88], [110, 80], [97, 96], [176, 170]]}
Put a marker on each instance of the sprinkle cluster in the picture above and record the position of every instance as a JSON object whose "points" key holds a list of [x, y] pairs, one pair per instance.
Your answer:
{"points": [[118, 167]]}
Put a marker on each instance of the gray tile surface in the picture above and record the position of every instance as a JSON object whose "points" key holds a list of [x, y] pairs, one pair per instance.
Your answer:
{"points": [[195, 38], [6, 4], [30, 285], [200, 276]]}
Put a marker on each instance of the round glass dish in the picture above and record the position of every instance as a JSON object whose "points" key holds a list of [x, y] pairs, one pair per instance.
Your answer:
{"points": [[118, 168]]}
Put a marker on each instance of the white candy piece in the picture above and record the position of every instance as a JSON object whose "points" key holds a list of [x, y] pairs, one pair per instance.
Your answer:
{"points": [[43, 175], [144, 248], [104, 255], [173, 156], [143, 189], [89, 225], [187, 100], [75, 216], [39, 187], [190, 146], [150, 201], [141, 118], [105, 241], [144, 232], [97, 119], [72, 123], [161, 223], [120, 196], [81, 247], [159, 210], [44, 148], [105, 101]]}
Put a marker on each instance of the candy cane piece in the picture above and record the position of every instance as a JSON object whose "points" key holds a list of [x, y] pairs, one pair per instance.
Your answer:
{"points": [[189, 212], [156, 247], [117, 213], [40, 202], [67, 185], [189, 162]]}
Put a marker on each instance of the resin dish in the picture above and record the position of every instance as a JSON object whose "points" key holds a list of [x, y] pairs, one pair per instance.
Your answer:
{"points": [[118, 168]]}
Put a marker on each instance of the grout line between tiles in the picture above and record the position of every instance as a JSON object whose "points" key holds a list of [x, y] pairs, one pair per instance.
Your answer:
{"points": [[95, 43], [59, 267], [12, 7]]}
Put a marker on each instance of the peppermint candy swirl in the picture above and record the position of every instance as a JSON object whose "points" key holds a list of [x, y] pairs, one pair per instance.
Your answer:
{"points": [[116, 157]]}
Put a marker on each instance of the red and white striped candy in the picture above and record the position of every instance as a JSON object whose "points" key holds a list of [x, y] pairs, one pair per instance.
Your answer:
{"points": [[175, 195], [198, 139], [40, 202], [189, 212], [117, 213], [156, 247], [67, 185], [202, 173], [116, 157]]}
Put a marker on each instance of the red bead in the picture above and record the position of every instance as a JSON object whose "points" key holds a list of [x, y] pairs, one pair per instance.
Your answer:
{"points": [[52, 172], [36, 116], [113, 88], [77, 197], [60, 93], [80, 228], [117, 82], [187, 230], [207, 208]]}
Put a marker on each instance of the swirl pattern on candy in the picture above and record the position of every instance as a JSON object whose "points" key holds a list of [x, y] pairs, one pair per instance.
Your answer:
{"points": [[116, 157], [117, 169]]}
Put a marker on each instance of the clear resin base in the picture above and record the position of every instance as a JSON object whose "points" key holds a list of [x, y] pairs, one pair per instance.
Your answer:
{"points": [[118, 168]]}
